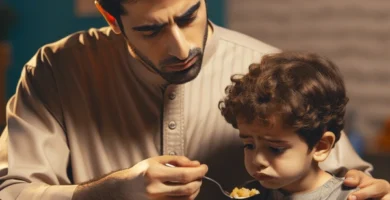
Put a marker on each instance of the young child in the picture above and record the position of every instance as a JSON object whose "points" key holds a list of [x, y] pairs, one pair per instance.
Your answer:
{"points": [[289, 110]]}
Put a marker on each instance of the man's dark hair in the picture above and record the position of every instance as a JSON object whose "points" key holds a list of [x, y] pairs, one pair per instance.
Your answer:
{"points": [[304, 91], [115, 8]]}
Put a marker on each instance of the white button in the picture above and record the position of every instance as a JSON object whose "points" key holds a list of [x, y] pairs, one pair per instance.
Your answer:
{"points": [[172, 125], [172, 153], [172, 96]]}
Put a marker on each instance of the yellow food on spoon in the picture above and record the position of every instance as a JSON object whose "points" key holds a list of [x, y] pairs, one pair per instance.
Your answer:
{"points": [[243, 192]]}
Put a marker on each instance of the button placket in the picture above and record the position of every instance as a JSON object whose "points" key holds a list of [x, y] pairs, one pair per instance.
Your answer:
{"points": [[172, 125], [172, 135], [172, 95]]}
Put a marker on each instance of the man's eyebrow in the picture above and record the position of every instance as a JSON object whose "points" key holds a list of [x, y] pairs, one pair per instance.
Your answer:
{"points": [[190, 11], [152, 27]]}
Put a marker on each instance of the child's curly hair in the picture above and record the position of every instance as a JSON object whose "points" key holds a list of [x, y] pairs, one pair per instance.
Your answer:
{"points": [[303, 90]]}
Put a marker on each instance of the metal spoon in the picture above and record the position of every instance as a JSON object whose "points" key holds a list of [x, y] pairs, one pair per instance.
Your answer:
{"points": [[224, 192]]}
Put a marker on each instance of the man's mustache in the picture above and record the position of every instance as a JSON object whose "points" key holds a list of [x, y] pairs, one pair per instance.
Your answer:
{"points": [[175, 60]]}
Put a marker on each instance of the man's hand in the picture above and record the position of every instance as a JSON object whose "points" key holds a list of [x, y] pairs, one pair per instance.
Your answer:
{"points": [[369, 188], [149, 179], [162, 182]]}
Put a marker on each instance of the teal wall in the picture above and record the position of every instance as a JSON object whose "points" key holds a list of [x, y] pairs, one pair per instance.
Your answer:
{"points": [[44, 21], [216, 10]]}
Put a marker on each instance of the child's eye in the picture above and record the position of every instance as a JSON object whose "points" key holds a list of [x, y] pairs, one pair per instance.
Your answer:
{"points": [[249, 146], [277, 150]]}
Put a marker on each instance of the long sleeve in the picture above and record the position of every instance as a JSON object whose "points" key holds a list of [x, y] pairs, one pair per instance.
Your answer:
{"points": [[343, 157], [33, 148]]}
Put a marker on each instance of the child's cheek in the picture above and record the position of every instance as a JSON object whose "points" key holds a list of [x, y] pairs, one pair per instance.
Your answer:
{"points": [[249, 166]]}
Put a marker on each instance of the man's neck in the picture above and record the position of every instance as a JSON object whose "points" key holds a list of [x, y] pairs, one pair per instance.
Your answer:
{"points": [[210, 30]]}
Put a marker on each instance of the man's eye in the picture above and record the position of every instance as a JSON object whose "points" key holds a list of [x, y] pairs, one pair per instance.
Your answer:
{"points": [[150, 34], [249, 146], [277, 150], [185, 21]]}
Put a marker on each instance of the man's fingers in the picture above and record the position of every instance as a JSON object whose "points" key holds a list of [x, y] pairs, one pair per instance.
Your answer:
{"points": [[184, 190], [158, 189], [369, 188], [183, 174], [192, 197], [179, 161], [356, 178], [182, 181], [351, 182], [374, 190]]}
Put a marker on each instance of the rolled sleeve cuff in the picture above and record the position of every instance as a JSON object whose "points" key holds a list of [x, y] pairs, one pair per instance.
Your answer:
{"points": [[59, 192], [46, 192]]}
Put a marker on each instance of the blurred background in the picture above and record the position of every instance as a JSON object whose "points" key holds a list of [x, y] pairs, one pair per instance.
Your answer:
{"points": [[355, 34]]}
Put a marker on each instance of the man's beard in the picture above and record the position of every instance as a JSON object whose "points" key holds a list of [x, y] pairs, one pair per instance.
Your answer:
{"points": [[177, 77]]}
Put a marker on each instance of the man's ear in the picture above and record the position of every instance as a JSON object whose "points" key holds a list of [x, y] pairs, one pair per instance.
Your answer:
{"points": [[324, 146], [109, 18]]}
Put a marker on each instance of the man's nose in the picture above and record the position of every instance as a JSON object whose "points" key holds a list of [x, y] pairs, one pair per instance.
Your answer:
{"points": [[177, 43]]}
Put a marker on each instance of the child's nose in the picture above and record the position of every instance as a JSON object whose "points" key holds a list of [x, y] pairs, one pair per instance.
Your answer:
{"points": [[260, 161]]}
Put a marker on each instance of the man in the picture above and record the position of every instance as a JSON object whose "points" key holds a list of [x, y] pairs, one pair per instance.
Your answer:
{"points": [[93, 112]]}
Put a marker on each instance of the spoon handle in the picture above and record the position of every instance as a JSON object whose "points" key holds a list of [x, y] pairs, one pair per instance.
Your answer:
{"points": [[210, 179]]}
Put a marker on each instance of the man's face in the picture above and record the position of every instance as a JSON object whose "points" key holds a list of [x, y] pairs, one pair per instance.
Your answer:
{"points": [[167, 35], [278, 158]]}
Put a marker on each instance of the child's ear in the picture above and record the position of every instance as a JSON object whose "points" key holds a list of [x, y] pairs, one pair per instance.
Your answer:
{"points": [[324, 146], [109, 18]]}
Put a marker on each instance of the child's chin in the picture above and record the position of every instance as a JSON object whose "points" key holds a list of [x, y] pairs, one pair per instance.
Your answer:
{"points": [[271, 185]]}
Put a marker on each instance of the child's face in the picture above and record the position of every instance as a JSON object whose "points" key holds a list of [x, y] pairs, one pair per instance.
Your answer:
{"points": [[276, 157]]}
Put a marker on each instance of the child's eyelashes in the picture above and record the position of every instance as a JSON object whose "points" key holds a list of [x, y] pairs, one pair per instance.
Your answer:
{"points": [[248, 146], [277, 150], [273, 150]]}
